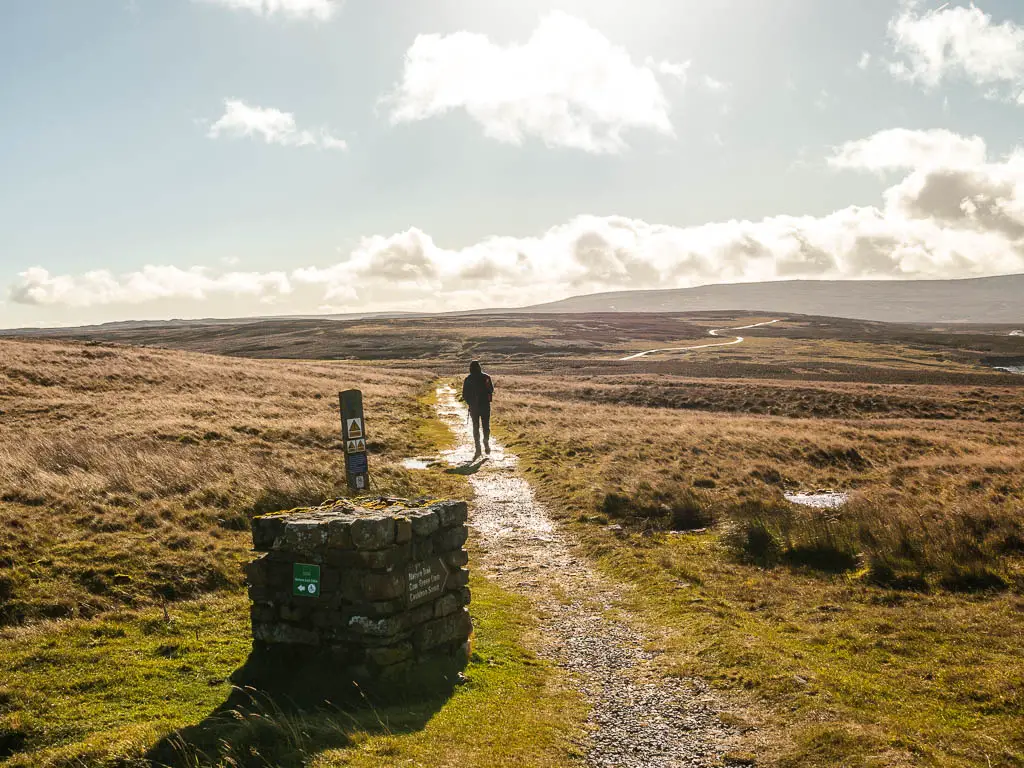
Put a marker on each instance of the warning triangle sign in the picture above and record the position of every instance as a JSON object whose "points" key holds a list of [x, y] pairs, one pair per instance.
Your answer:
{"points": [[354, 429]]}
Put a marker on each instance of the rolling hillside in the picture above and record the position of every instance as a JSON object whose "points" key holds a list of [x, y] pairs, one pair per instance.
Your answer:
{"points": [[978, 300]]}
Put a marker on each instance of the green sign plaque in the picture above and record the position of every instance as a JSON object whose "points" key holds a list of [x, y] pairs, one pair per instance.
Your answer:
{"points": [[305, 580]]}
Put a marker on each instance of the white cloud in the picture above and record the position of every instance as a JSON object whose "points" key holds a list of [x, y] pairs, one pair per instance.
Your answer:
{"points": [[719, 89], [101, 287], [987, 199], [865, 61], [714, 85], [956, 213], [958, 43], [676, 69], [299, 9], [952, 183], [900, 148], [568, 86], [590, 254], [274, 126]]}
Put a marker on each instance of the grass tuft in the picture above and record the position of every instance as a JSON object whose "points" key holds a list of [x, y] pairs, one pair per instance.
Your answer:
{"points": [[977, 579], [650, 508]]}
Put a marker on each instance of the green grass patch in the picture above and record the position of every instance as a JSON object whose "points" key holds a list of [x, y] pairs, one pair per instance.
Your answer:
{"points": [[96, 692], [513, 710], [899, 678], [110, 691], [430, 432]]}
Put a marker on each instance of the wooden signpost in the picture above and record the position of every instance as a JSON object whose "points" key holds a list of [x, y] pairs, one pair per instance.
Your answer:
{"points": [[353, 432]]}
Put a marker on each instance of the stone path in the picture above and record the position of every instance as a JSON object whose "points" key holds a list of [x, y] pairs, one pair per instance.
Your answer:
{"points": [[638, 717]]}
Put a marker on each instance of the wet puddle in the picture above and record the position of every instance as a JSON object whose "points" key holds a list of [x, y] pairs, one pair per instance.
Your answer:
{"points": [[420, 462], [819, 499]]}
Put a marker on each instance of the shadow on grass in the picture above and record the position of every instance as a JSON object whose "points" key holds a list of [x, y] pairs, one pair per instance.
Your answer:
{"points": [[469, 468], [281, 716]]}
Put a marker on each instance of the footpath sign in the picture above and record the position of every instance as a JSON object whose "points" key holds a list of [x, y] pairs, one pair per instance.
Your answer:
{"points": [[426, 581], [353, 432], [305, 580]]}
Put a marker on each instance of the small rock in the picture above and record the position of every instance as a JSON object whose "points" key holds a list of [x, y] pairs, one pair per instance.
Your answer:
{"points": [[302, 536], [452, 513], [373, 532], [403, 530], [425, 522]]}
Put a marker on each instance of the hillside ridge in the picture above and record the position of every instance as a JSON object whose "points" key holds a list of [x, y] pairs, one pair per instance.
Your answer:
{"points": [[997, 299]]}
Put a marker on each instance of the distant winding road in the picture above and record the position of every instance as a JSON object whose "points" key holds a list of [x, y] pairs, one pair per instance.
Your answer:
{"points": [[715, 332]]}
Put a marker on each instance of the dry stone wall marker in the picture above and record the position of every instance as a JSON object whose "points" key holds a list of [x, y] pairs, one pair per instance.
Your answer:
{"points": [[353, 432], [375, 590]]}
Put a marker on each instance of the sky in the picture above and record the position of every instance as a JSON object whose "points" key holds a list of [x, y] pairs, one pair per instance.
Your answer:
{"points": [[223, 158]]}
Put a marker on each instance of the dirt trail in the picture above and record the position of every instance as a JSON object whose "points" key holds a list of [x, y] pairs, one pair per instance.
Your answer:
{"points": [[715, 332], [638, 717]]}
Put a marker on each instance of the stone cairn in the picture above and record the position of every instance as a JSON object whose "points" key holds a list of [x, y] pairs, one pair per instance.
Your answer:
{"points": [[377, 586]]}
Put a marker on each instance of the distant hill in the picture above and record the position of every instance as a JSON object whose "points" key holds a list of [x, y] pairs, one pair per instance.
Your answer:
{"points": [[984, 301], [976, 300]]}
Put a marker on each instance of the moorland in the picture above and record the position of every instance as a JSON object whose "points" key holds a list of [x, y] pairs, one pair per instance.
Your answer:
{"points": [[884, 632]]}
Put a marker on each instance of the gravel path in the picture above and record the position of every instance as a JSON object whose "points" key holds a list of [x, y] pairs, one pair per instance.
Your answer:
{"points": [[638, 717]]}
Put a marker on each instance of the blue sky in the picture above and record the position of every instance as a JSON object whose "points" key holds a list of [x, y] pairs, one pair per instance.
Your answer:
{"points": [[194, 158]]}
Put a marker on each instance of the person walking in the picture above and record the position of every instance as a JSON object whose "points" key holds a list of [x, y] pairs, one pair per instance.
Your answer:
{"points": [[477, 392]]}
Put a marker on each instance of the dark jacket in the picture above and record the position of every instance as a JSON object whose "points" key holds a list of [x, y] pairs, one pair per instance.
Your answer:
{"points": [[477, 391]]}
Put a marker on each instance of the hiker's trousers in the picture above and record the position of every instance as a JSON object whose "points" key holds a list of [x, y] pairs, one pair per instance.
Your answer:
{"points": [[481, 418]]}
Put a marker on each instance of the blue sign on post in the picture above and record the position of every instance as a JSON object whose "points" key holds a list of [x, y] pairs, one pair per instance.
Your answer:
{"points": [[357, 464], [353, 433]]}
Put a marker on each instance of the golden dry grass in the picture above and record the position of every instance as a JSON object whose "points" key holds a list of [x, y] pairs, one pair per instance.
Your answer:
{"points": [[128, 476], [862, 666]]}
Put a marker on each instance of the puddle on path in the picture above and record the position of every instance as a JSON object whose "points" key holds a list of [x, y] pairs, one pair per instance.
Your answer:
{"points": [[819, 499], [419, 462]]}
